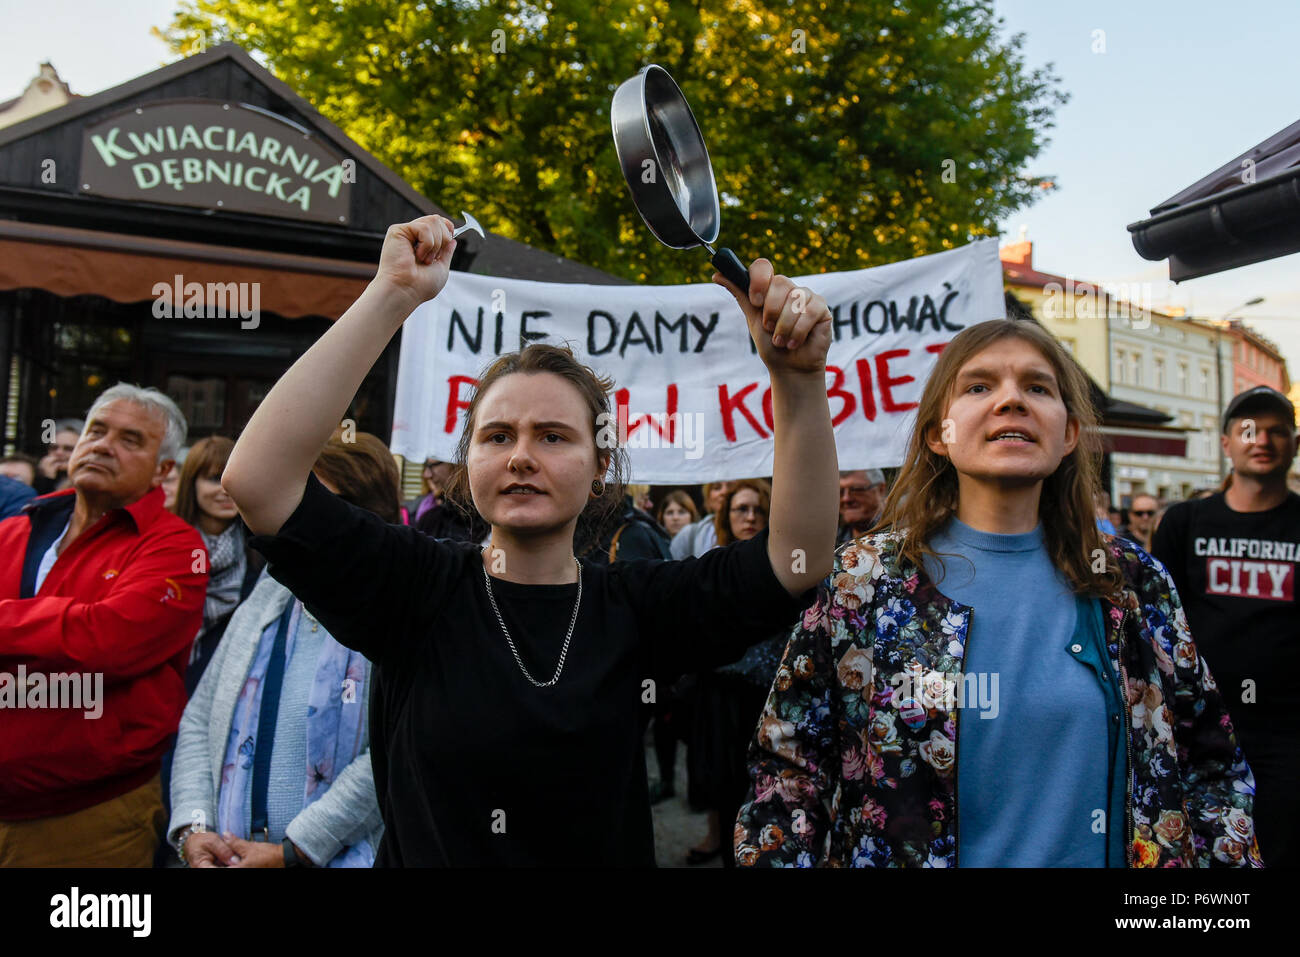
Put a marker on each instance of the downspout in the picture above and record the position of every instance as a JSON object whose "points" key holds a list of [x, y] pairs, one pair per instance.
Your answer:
{"points": [[1218, 390]]}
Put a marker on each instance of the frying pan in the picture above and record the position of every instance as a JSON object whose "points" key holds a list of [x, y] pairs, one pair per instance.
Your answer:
{"points": [[666, 165]]}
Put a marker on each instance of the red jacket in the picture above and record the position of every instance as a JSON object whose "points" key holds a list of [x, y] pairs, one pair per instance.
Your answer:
{"points": [[123, 600]]}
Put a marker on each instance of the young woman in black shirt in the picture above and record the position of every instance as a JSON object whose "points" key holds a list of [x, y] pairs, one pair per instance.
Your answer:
{"points": [[505, 726]]}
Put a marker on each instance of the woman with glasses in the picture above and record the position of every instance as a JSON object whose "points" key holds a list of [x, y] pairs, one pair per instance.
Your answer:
{"points": [[729, 699]]}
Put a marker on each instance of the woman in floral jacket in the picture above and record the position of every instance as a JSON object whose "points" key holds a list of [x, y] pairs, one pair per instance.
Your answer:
{"points": [[1056, 660]]}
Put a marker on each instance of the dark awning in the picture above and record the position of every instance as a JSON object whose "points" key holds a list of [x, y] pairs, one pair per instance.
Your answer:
{"points": [[77, 262], [1246, 211], [1171, 442]]}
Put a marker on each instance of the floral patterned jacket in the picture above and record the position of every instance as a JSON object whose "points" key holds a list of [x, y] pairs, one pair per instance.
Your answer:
{"points": [[842, 779]]}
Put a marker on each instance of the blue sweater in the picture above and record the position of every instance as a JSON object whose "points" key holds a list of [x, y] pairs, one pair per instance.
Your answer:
{"points": [[1033, 770]]}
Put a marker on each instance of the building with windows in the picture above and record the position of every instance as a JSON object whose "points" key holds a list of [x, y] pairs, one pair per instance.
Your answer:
{"points": [[1168, 364], [1141, 428], [1256, 360], [1072, 311], [1166, 378]]}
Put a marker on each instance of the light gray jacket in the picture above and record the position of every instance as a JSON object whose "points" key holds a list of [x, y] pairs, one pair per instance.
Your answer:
{"points": [[695, 539], [347, 813]]}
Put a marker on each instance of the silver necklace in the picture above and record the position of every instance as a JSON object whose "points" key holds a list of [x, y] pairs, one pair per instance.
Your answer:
{"points": [[487, 580]]}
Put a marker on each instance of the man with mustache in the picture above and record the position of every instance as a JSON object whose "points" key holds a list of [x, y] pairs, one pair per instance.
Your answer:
{"points": [[97, 581]]}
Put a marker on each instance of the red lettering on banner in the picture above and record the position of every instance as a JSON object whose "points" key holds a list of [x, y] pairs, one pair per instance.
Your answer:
{"points": [[837, 391], [454, 402], [887, 382], [628, 425], [729, 405], [864, 384], [1244, 578], [840, 388]]}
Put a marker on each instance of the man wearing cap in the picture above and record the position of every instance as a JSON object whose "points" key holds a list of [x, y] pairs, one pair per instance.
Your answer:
{"points": [[1233, 557], [862, 498]]}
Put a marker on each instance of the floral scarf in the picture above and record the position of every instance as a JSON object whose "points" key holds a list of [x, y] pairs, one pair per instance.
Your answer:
{"points": [[335, 706]]}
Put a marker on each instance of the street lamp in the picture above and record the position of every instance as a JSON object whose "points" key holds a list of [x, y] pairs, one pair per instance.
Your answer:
{"points": [[1218, 367]]}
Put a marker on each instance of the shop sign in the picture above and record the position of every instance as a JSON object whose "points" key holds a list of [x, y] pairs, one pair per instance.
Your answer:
{"points": [[217, 155]]}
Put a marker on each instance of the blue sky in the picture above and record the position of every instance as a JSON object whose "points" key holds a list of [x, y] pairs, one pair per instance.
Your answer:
{"points": [[1182, 87]]}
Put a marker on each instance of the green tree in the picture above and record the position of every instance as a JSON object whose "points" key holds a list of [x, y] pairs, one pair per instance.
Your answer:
{"points": [[842, 135]]}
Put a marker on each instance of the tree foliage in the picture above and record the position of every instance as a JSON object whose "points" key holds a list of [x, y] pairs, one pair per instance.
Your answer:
{"points": [[831, 126]]}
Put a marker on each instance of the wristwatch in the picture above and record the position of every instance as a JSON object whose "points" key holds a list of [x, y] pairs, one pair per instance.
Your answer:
{"points": [[291, 858]]}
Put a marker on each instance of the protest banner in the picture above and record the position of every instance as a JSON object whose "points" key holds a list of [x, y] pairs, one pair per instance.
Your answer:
{"points": [[693, 403]]}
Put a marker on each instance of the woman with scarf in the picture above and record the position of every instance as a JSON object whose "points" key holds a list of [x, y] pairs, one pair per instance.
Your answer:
{"points": [[989, 642], [272, 764], [232, 566], [510, 679]]}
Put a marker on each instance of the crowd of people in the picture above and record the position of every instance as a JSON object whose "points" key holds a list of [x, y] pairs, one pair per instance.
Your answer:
{"points": [[297, 668]]}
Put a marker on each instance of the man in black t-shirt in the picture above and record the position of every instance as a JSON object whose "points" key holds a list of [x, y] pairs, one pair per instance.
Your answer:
{"points": [[1233, 557]]}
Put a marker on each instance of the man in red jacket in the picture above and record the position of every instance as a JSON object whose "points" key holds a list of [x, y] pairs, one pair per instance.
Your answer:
{"points": [[101, 595]]}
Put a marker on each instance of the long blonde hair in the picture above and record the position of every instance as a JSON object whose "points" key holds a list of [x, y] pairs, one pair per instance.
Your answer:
{"points": [[924, 496]]}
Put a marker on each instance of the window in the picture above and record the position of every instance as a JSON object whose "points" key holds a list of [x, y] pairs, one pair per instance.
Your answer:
{"points": [[1120, 359], [201, 401], [1160, 373], [1205, 382], [1135, 369], [1182, 378]]}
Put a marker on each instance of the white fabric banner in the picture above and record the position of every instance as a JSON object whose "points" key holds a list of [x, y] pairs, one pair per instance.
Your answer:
{"points": [[692, 395]]}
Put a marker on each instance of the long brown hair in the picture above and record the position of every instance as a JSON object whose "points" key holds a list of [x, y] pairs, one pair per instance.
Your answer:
{"points": [[595, 391], [678, 497], [206, 459], [722, 520], [924, 495]]}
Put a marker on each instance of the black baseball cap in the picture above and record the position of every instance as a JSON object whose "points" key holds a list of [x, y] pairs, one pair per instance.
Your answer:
{"points": [[1257, 399]]}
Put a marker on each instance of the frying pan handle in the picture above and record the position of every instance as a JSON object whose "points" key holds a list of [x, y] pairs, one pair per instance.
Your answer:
{"points": [[732, 269]]}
